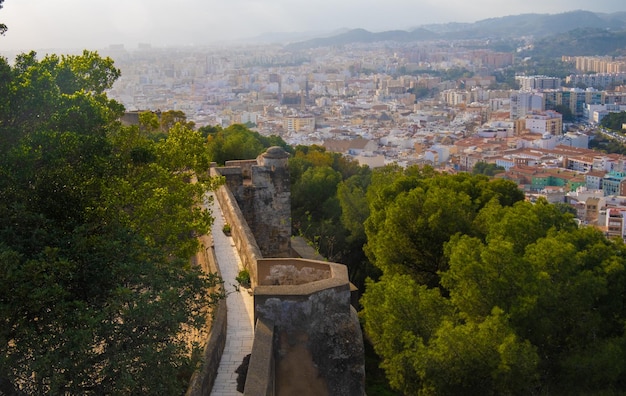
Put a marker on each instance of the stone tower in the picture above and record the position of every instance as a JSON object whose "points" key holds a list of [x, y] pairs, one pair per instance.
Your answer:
{"points": [[270, 192], [262, 189]]}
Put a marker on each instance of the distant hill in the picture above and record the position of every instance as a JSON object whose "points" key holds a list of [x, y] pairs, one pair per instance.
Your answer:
{"points": [[581, 42], [290, 37], [616, 17], [537, 25], [514, 26], [364, 36]]}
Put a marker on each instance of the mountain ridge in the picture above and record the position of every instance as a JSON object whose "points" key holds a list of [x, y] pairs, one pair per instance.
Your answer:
{"points": [[512, 26]]}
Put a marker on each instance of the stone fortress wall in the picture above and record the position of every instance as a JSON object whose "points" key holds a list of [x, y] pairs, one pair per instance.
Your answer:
{"points": [[307, 336], [202, 380]]}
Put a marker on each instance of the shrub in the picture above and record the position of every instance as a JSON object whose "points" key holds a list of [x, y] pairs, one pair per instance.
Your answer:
{"points": [[243, 278]]}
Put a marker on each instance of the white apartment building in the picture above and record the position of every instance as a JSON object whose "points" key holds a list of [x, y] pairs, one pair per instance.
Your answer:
{"points": [[574, 139], [506, 162], [580, 163], [247, 117], [547, 122], [522, 103], [532, 83], [599, 80], [438, 154], [594, 113], [594, 179], [453, 97]]}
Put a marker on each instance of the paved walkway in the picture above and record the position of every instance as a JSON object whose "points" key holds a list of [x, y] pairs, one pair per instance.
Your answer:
{"points": [[240, 310]]}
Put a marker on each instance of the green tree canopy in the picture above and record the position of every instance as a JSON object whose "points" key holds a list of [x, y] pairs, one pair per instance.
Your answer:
{"points": [[56, 93], [606, 144], [487, 169], [414, 212], [329, 207], [172, 117], [237, 142], [614, 121], [183, 150], [96, 235], [568, 115], [532, 304]]}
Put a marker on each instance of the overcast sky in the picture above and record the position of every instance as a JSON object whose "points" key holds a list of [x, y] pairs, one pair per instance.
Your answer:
{"points": [[95, 24]]}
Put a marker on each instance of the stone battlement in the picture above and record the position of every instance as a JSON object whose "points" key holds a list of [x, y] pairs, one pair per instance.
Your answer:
{"points": [[262, 190], [307, 338]]}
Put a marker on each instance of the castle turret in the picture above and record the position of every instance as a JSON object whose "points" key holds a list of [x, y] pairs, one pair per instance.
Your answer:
{"points": [[263, 192], [272, 203]]}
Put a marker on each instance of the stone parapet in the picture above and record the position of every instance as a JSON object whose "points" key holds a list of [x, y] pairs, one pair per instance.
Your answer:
{"points": [[260, 379], [244, 165], [243, 238], [318, 342], [203, 378]]}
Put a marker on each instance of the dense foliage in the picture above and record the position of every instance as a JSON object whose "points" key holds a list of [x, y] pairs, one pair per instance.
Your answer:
{"points": [[329, 207], [545, 65], [614, 121], [97, 227], [487, 169], [566, 112], [484, 293], [607, 144], [414, 212], [237, 142]]}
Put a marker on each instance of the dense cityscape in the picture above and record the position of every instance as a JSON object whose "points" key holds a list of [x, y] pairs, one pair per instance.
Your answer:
{"points": [[388, 103]]}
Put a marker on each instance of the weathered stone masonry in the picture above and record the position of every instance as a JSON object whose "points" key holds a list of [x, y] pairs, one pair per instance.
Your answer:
{"points": [[263, 192], [307, 337]]}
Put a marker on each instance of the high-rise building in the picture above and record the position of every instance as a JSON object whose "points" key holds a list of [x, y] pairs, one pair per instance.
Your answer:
{"points": [[598, 80], [574, 98], [597, 64], [523, 103], [532, 83]]}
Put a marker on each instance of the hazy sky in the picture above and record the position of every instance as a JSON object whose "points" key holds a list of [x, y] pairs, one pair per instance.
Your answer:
{"points": [[95, 24]]}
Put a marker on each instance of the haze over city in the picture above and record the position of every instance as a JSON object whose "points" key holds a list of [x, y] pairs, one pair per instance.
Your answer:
{"points": [[77, 24]]}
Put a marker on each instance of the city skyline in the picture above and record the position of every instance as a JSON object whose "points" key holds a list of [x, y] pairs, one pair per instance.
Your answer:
{"points": [[76, 24]]}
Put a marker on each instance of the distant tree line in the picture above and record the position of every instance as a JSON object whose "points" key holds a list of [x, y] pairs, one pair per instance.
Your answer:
{"points": [[487, 169], [581, 42]]}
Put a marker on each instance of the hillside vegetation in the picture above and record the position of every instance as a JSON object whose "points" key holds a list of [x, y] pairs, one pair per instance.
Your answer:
{"points": [[469, 289], [484, 293], [582, 42], [98, 223]]}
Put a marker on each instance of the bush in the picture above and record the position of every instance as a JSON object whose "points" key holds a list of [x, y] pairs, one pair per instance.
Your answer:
{"points": [[243, 278]]}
